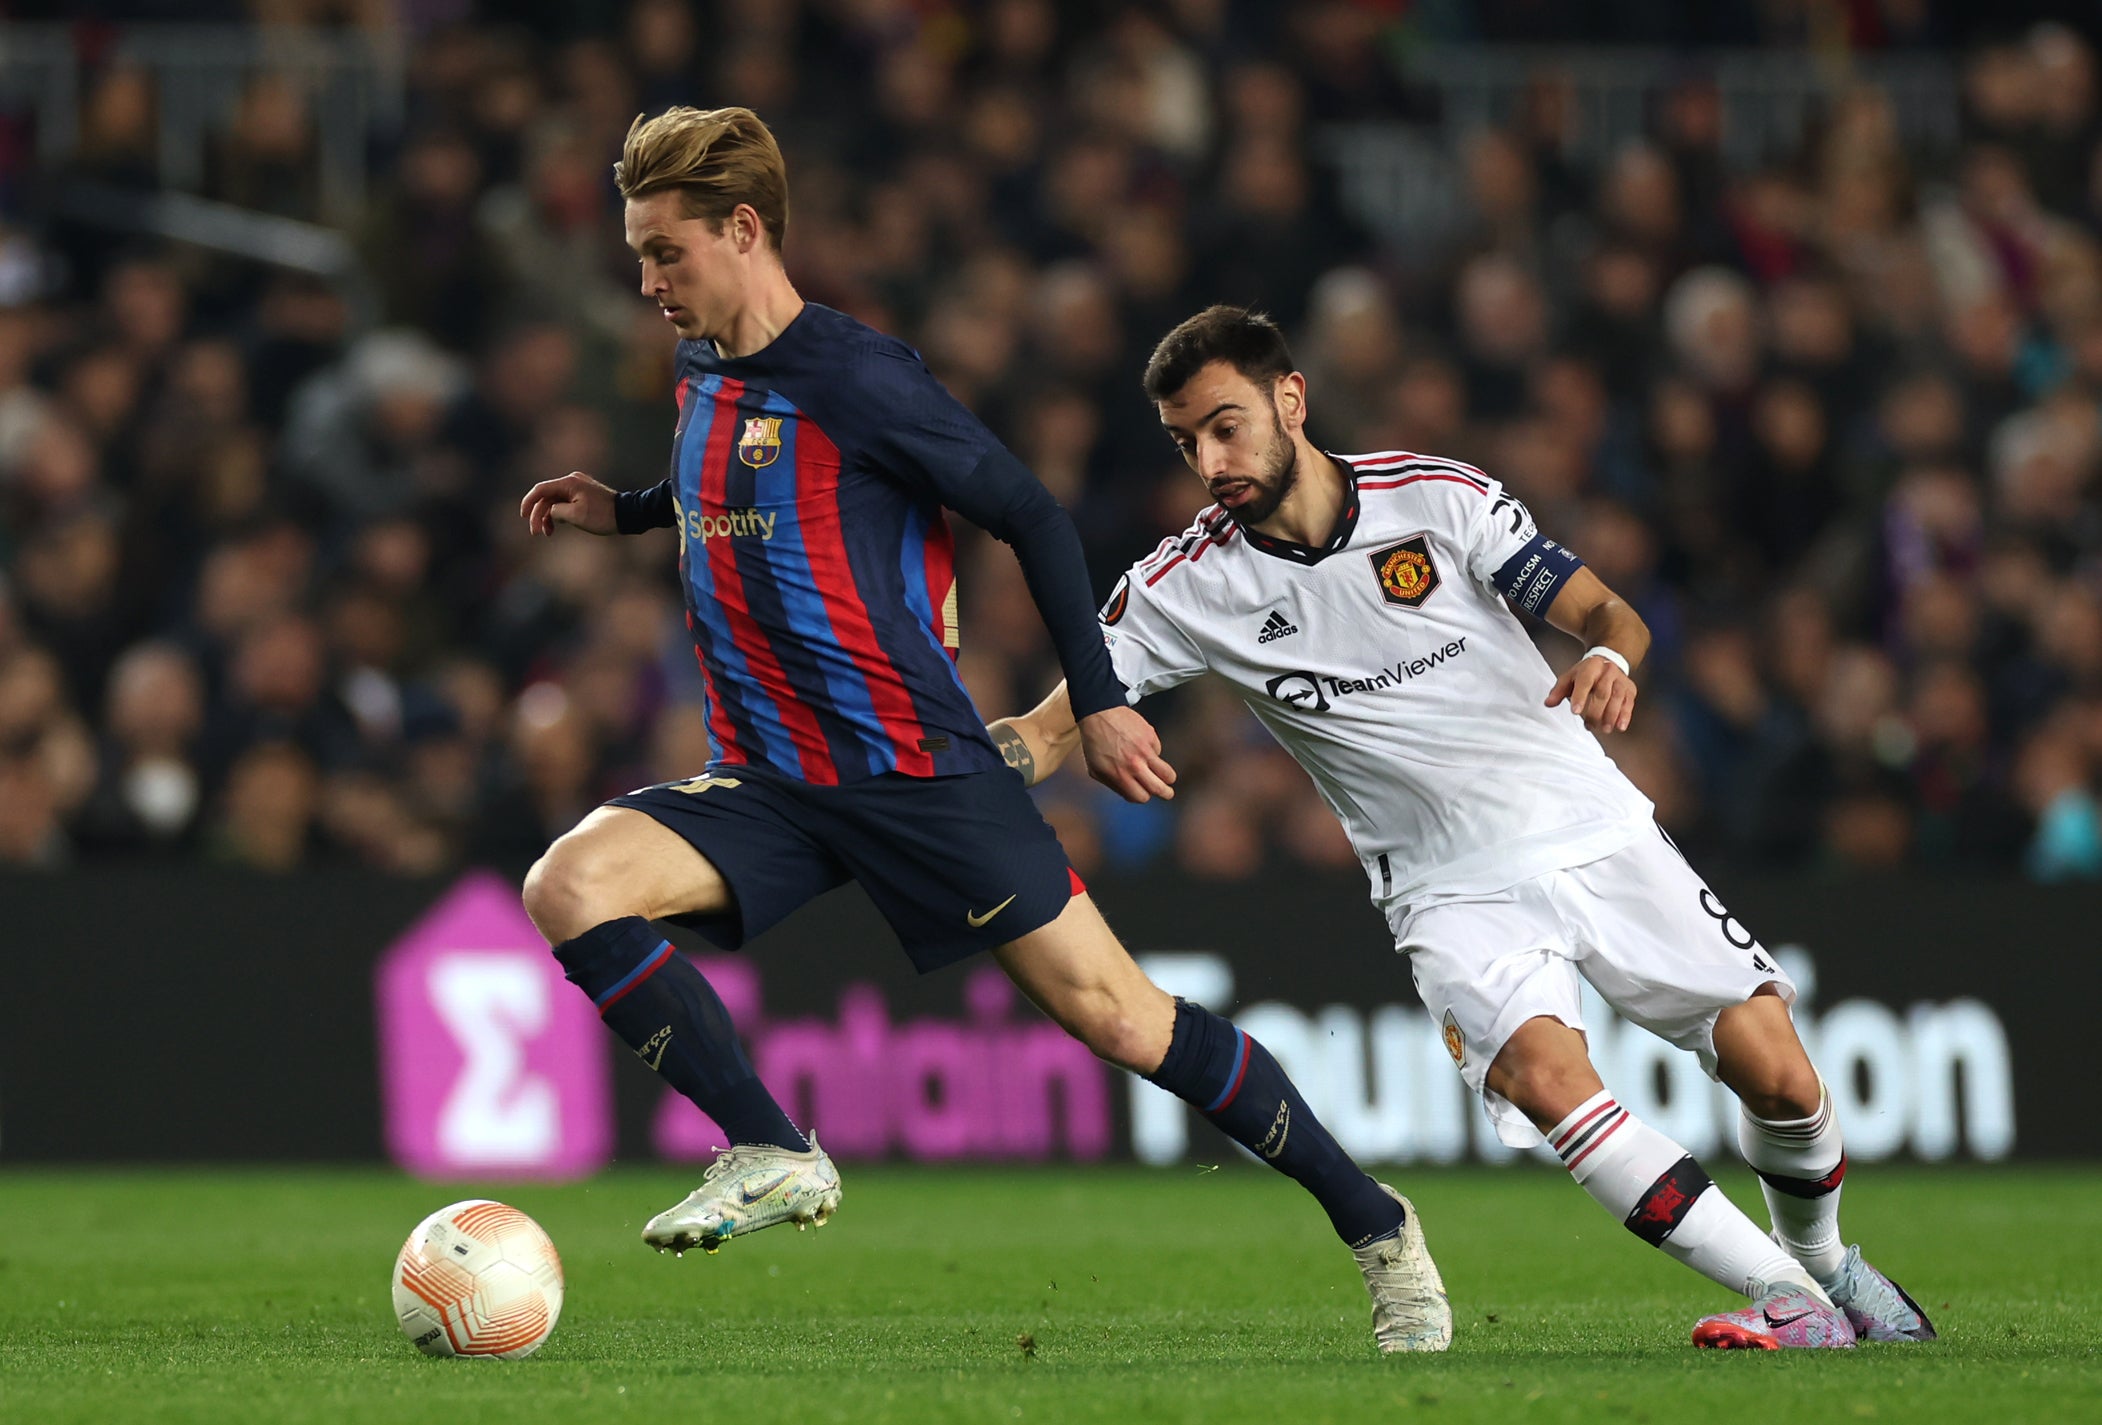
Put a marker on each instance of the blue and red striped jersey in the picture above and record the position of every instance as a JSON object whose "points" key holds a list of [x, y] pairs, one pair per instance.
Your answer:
{"points": [[808, 482]]}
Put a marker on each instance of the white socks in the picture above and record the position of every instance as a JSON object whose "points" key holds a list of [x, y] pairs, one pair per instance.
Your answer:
{"points": [[1662, 1195], [1801, 1164]]}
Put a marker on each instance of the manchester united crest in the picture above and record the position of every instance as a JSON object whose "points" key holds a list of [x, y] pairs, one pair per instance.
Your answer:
{"points": [[1455, 1042], [760, 445], [1407, 574]]}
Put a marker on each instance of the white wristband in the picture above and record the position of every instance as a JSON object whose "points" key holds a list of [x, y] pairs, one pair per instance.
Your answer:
{"points": [[1601, 651]]}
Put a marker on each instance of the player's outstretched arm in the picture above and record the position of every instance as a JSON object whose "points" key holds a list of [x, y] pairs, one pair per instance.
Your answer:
{"points": [[1037, 743], [1598, 690], [1122, 750], [574, 499]]}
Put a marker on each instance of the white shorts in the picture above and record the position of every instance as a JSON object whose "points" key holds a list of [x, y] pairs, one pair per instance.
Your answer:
{"points": [[1639, 925]]}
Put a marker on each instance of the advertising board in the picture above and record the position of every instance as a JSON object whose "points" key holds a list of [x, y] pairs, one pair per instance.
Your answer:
{"points": [[152, 1015]]}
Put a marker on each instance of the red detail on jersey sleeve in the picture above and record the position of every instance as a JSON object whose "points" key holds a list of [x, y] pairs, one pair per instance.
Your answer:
{"points": [[1212, 526], [1412, 479], [1156, 575], [1393, 459]]}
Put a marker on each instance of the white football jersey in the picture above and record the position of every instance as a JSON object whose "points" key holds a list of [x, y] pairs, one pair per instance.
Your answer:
{"points": [[1390, 666]]}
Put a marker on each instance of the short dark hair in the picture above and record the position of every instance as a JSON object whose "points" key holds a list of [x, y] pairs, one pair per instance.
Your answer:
{"points": [[1246, 340]]}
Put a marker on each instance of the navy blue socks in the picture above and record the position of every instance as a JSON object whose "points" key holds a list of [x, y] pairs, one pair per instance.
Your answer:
{"points": [[1233, 1081], [662, 1008]]}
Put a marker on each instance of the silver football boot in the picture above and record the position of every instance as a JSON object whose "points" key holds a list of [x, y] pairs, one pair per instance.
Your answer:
{"points": [[1409, 1309], [1878, 1308], [746, 1188]]}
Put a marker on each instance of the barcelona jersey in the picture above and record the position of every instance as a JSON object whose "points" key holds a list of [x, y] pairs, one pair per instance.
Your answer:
{"points": [[807, 487]]}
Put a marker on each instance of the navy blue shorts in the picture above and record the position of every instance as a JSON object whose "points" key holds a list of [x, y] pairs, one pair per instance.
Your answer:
{"points": [[955, 864]]}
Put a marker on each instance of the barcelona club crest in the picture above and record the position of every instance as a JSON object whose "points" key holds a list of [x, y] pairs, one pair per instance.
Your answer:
{"points": [[1407, 576], [760, 445]]}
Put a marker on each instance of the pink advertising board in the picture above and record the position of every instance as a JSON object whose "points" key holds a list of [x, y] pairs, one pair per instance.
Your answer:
{"points": [[1000, 1083], [491, 1064]]}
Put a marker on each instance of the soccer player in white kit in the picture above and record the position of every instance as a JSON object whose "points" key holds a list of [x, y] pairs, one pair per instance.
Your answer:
{"points": [[1364, 608]]}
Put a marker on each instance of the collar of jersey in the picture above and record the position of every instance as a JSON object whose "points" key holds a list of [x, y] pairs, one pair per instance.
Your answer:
{"points": [[705, 355], [1346, 526]]}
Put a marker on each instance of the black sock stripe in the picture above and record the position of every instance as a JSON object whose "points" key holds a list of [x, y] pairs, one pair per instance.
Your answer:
{"points": [[1805, 1187], [1668, 1200], [1578, 1145]]}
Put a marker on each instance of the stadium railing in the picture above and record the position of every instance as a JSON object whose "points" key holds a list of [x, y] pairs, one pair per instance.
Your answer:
{"points": [[355, 84]]}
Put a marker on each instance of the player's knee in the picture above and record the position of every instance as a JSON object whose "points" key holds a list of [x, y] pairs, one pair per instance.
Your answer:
{"points": [[1113, 1031], [1126, 1041], [1545, 1088], [570, 889], [1778, 1089], [1544, 1070]]}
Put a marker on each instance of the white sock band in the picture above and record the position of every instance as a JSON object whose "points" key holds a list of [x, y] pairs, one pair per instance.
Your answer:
{"points": [[1801, 1163]]}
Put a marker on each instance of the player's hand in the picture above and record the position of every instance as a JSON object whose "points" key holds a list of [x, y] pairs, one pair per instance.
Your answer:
{"points": [[574, 499], [1123, 754], [1597, 692]]}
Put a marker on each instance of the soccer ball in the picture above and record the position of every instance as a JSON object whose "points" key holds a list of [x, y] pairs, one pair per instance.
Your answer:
{"points": [[478, 1279]]}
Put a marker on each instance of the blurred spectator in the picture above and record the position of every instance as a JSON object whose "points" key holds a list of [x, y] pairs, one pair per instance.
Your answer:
{"points": [[1352, 346], [424, 249], [1502, 321], [266, 158], [149, 789], [267, 816], [364, 439], [554, 236]]}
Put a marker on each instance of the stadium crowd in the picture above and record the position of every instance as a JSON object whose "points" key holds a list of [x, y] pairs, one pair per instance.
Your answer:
{"points": [[1832, 422]]}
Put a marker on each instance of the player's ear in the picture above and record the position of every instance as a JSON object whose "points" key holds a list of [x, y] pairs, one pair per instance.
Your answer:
{"points": [[1289, 396], [746, 227]]}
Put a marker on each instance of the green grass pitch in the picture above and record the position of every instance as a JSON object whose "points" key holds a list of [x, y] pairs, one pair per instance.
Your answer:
{"points": [[1049, 1295]]}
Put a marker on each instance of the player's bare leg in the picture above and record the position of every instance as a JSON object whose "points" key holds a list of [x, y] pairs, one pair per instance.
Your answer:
{"points": [[1078, 973], [1660, 1193], [617, 862], [1791, 1138], [593, 895]]}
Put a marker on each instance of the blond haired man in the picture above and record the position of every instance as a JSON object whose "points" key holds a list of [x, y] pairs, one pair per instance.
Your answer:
{"points": [[812, 461]]}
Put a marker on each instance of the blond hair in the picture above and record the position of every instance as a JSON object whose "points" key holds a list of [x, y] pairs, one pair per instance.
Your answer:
{"points": [[715, 158]]}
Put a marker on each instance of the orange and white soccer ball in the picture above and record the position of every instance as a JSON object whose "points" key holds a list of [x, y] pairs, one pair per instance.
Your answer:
{"points": [[478, 1279]]}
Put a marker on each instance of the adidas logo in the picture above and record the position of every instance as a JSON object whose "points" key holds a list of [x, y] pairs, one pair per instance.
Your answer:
{"points": [[1275, 627]]}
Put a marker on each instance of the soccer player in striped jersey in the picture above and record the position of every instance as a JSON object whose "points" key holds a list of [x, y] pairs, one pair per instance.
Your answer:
{"points": [[811, 465], [1363, 606]]}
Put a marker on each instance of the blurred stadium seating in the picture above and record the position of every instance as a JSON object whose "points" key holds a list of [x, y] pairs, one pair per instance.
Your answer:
{"points": [[1788, 318]]}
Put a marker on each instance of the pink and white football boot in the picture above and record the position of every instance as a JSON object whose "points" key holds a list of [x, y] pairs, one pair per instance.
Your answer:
{"points": [[1782, 1316]]}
